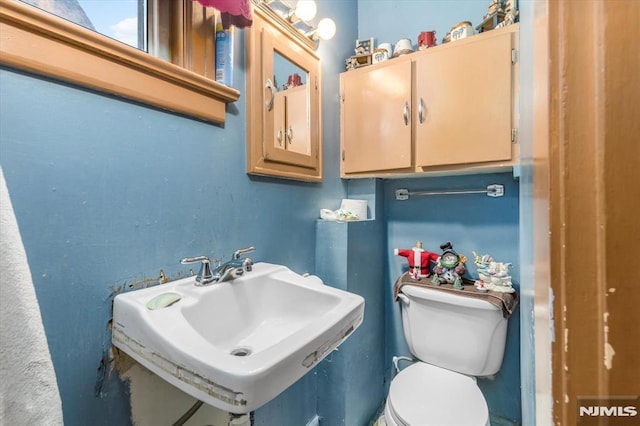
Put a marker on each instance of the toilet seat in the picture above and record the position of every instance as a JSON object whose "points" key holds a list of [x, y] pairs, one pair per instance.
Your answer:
{"points": [[423, 395]]}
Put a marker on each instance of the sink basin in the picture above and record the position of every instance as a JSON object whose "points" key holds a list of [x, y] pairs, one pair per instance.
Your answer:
{"points": [[235, 345]]}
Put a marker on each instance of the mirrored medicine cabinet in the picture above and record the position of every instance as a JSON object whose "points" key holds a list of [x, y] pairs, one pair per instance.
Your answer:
{"points": [[282, 98]]}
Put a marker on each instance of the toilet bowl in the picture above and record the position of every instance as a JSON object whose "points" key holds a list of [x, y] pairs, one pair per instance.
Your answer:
{"points": [[455, 339], [426, 395]]}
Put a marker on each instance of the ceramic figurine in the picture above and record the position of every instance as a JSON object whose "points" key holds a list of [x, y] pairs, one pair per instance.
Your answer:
{"points": [[419, 260], [511, 14], [482, 264], [450, 267], [493, 275], [364, 47], [494, 7]]}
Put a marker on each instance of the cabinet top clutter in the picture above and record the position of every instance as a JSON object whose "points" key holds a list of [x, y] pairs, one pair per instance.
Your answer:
{"points": [[449, 109]]}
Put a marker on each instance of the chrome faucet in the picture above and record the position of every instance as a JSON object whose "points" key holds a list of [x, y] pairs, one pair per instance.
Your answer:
{"points": [[205, 276], [234, 268], [226, 271]]}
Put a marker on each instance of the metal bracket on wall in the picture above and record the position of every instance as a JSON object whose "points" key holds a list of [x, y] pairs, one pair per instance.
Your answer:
{"points": [[494, 190]]}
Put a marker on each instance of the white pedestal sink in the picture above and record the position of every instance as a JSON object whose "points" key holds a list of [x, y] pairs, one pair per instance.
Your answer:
{"points": [[235, 345]]}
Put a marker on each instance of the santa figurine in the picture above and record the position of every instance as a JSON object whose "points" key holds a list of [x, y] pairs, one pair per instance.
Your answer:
{"points": [[418, 259]]}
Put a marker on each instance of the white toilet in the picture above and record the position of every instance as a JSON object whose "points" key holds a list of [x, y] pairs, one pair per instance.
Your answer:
{"points": [[455, 339]]}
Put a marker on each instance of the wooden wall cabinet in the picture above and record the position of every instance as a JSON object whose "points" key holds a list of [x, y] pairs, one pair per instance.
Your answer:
{"points": [[449, 109], [283, 125], [291, 129]]}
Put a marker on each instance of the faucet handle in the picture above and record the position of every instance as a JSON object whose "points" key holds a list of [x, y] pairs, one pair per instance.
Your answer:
{"points": [[205, 275], [240, 252], [188, 260]]}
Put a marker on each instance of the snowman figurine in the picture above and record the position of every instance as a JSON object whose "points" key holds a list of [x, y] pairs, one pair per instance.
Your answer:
{"points": [[450, 267]]}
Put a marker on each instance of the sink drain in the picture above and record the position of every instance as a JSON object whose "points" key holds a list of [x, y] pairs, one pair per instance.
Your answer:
{"points": [[241, 352]]}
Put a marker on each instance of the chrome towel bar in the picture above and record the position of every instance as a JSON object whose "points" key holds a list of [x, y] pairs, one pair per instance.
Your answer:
{"points": [[494, 190]]}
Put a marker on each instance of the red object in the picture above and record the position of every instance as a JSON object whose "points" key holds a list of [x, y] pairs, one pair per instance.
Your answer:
{"points": [[427, 39], [418, 260], [233, 12], [294, 80]]}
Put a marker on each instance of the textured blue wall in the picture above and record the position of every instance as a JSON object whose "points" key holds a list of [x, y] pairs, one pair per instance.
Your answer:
{"points": [[351, 381], [108, 192], [472, 223], [390, 20]]}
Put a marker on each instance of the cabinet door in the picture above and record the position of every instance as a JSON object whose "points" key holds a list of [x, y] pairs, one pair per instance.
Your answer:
{"points": [[279, 113], [376, 117], [276, 50], [290, 121], [297, 119], [463, 102]]}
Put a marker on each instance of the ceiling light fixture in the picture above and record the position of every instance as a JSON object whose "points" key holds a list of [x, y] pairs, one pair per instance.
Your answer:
{"points": [[299, 14], [306, 9], [326, 28]]}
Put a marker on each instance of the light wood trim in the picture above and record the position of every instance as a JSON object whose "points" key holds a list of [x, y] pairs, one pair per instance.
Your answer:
{"points": [[274, 42], [257, 131], [594, 201], [41, 43], [437, 171]]}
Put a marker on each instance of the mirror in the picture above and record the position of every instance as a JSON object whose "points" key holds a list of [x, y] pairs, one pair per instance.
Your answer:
{"points": [[290, 106], [283, 100]]}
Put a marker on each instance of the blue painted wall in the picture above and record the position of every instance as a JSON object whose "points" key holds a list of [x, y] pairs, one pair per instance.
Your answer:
{"points": [[390, 20], [351, 256], [108, 192]]}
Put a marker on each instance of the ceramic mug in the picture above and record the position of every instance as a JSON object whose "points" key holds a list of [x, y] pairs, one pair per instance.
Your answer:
{"points": [[387, 47], [426, 39], [403, 46], [380, 55]]}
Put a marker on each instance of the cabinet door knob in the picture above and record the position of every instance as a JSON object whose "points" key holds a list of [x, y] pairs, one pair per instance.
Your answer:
{"points": [[290, 135], [405, 113], [269, 85], [421, 111], [279, 137]]}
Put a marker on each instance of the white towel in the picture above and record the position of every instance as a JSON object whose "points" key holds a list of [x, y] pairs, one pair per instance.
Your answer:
{"points": [[28, 389]]}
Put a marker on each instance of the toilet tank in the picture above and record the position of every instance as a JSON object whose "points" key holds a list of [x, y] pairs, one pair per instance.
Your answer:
{"points": [[458, 333]]}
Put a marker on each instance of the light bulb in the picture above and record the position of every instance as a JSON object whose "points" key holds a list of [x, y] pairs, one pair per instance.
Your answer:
{"points": [[326, 28], [306, 9]]}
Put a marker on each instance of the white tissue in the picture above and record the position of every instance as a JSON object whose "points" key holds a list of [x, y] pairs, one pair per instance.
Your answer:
{"points": [[339, 215]]}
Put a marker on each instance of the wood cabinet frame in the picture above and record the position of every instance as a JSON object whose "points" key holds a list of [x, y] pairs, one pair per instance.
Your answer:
{"points": [[414, 168], [268, 34]]}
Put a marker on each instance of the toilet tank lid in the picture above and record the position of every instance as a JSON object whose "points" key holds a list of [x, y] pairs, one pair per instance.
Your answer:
{"points": [[423, 394], [446, 297]]}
